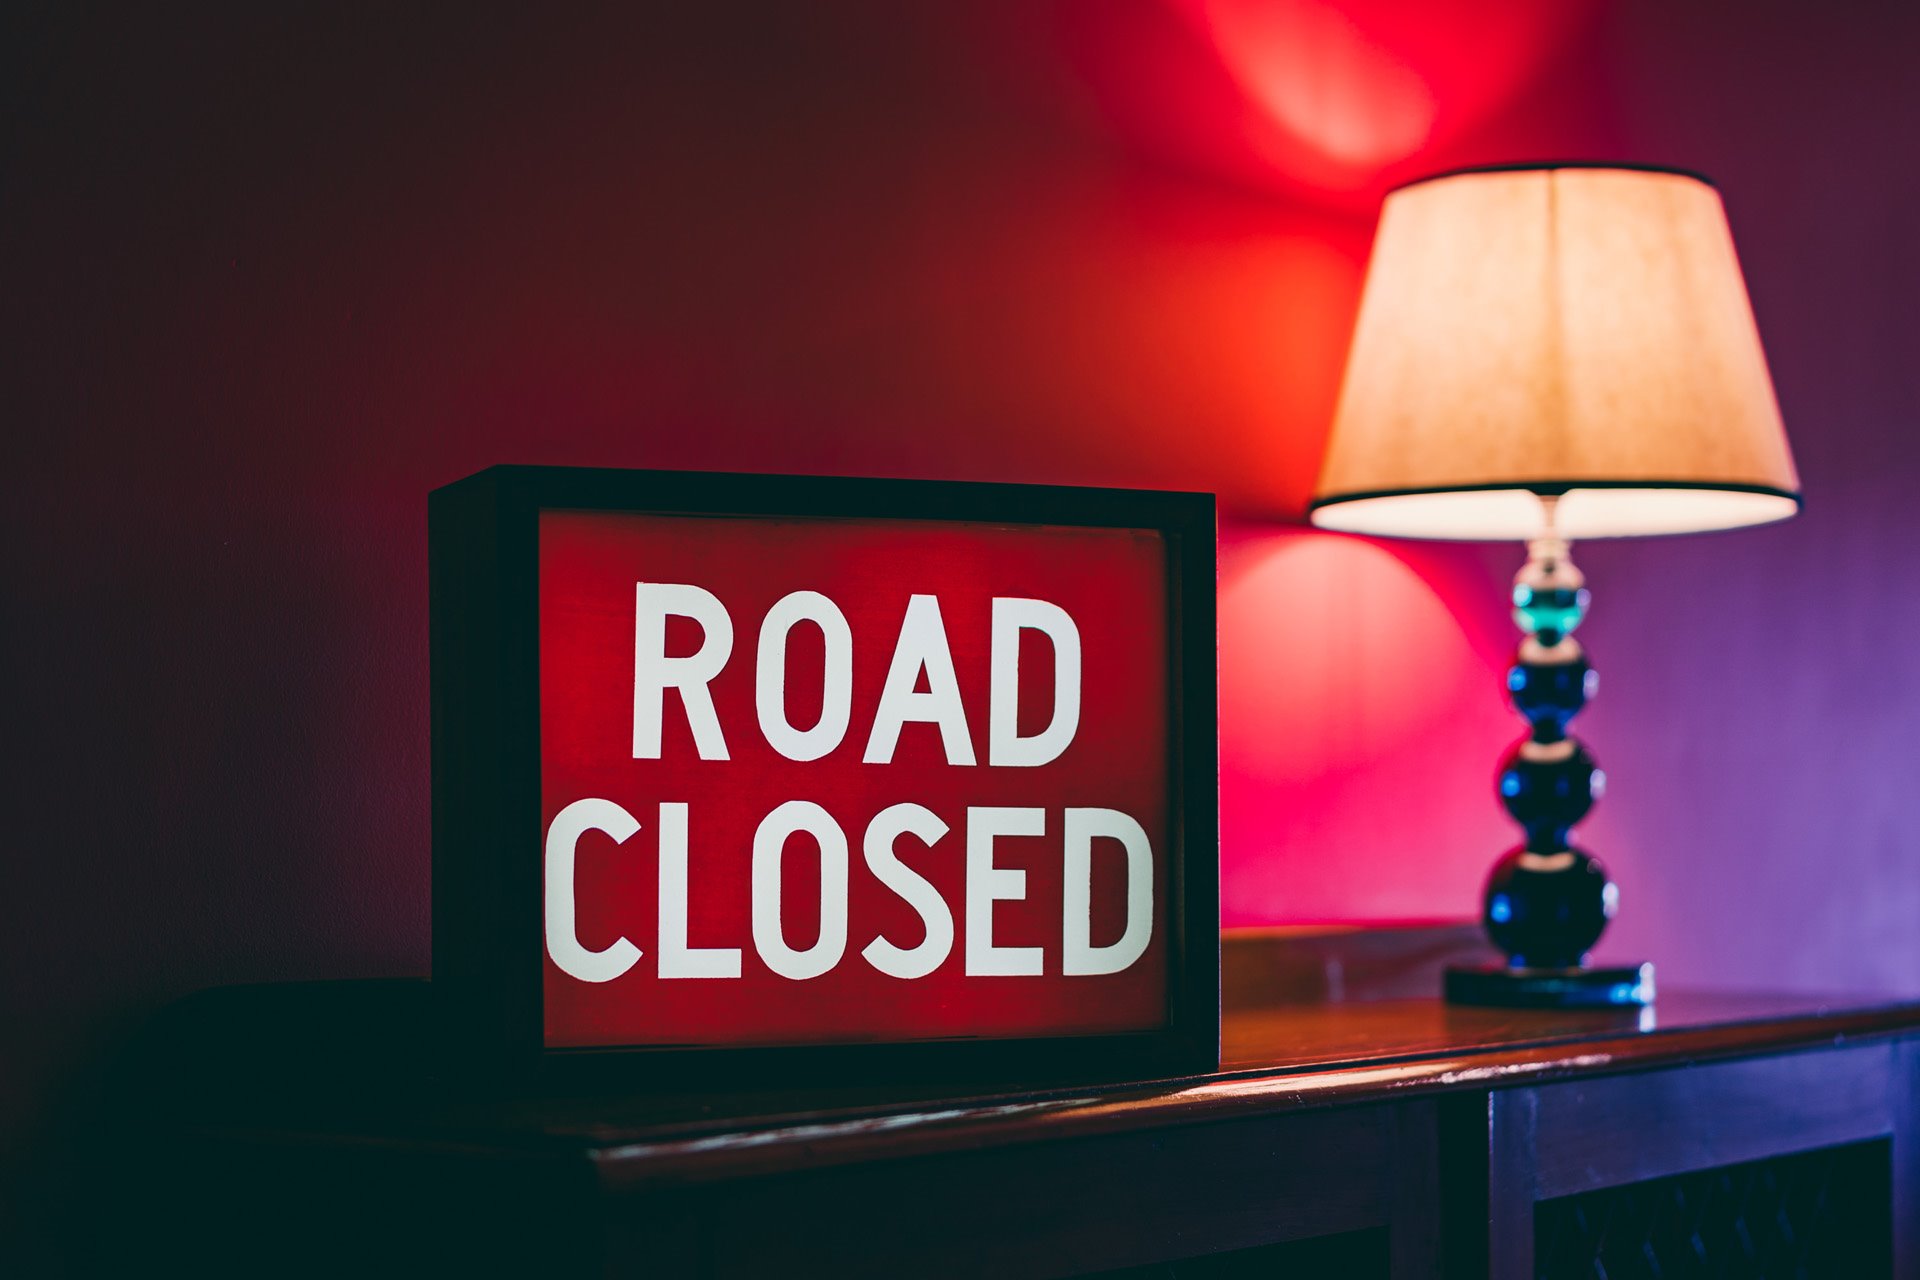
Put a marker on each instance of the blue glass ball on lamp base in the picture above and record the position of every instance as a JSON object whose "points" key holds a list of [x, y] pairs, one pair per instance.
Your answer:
{"points": [[1551, 694], [1546, 910], [1549, 786]]}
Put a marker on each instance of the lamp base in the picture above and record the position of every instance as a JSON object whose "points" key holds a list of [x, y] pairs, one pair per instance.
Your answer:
{"points": [[1618, 986]]}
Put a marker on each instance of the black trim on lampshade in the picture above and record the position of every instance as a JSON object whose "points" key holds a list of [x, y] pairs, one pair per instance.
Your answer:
{"points": [[1557, 488], [1544, 166]]}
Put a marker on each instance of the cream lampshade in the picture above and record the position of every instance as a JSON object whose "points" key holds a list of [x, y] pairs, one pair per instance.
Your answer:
{"points": [[1583, 331], [1545, 354]]}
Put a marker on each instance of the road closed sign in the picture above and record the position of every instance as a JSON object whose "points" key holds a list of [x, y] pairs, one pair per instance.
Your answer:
{"points": [[823, 765]]}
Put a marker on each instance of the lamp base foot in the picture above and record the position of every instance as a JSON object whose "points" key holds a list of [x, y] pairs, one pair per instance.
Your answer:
{"points": [[1618, 986]]}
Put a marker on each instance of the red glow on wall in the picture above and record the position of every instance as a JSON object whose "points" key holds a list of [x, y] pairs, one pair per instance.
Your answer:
{"points": [[1335, 102], [1358, 736], [1339, 97]]}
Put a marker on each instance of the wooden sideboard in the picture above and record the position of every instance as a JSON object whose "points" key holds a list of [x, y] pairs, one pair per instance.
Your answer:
{"points": [[1713, 1135]]}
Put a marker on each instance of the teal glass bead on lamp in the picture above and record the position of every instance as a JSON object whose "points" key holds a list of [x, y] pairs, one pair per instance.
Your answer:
{"points": [[1545, 354]]}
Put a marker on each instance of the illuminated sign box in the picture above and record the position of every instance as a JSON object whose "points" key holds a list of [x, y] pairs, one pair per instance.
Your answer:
{"points": [[824, 773]]}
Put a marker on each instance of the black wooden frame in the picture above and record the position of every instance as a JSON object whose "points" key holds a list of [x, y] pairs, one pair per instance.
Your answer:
{"points": [[483, 552]]}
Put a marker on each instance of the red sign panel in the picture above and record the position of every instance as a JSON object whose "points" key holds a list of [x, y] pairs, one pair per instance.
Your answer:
{"points": [[809, 780], [747, 777]]}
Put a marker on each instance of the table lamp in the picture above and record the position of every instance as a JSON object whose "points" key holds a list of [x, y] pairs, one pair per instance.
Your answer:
{"points": [[1549, 353]]}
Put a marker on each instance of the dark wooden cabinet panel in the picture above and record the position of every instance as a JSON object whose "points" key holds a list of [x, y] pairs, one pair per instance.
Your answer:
{"points": [[1599, 1133], [1065, 1208], [1905, 1090], [1826, 1212], [1572, 1143], [1353, 1255]]}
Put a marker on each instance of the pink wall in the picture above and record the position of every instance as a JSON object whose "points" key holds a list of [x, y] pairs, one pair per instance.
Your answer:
{"points": [[268, 280]]}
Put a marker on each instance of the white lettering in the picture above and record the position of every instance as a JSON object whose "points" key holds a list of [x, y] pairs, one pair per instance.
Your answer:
{"points": [[886, 828], [1005, 746], [563, 944], [654, 672], [769, 937], [988, 884], [1078, 954], [770, 676], [922, 647], [677, 959]]}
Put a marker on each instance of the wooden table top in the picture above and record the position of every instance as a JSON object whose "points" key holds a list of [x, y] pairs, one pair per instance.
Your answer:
{"points": [[1274, 1059]]}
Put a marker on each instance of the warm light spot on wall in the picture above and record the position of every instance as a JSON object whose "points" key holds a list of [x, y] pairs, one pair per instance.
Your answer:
{"points": [[1359, 738], [1327, 87], [1340, 97], [1338, 640]]}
